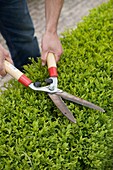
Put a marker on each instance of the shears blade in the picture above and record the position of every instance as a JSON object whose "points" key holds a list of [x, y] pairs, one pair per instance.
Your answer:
{"points": [[62, 107], [78, 100]]}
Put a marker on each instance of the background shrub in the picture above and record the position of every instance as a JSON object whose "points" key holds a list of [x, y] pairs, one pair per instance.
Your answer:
{"points": [[35, 135]]}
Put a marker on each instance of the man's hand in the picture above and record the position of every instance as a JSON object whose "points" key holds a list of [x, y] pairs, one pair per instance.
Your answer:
{"points": [[51, 43], [4, 55]]}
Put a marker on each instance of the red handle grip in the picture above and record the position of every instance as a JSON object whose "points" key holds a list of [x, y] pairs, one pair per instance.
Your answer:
{"points": [[25, 80], [53, 72]]}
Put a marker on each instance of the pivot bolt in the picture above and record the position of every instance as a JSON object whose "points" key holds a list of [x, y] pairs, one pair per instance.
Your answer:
{"points": [[37, 84], [49, 81]]}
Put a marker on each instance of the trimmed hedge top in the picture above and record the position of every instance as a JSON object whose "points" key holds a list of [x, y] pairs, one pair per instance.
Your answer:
{"points": [[34, 135]]}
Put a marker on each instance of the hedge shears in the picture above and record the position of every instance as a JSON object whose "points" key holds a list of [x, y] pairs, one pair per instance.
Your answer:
{"points": [[57, 95]]}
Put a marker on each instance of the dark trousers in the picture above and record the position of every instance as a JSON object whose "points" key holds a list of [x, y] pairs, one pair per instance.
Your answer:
{"points": [[17, 29]]}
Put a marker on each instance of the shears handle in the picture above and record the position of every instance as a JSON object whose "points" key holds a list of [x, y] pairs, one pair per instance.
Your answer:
{"points": [[22, 78], [17, 74], [51, 63]]}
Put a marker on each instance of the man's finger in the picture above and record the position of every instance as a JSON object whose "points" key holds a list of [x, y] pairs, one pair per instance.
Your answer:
{"points": [[3, 73], [44, 58], [2, 69], [57, 58], [8, 57]]}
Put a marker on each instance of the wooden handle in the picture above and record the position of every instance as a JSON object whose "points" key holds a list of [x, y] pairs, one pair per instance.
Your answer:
{"points": [[51, 63], [12, 70], [17, 74]]}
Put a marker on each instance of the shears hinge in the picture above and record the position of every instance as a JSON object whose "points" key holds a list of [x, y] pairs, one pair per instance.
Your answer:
{"points": [[53, 85]]}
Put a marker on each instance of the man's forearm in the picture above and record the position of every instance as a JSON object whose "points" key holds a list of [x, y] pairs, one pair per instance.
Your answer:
{"points": [[52, 12]]}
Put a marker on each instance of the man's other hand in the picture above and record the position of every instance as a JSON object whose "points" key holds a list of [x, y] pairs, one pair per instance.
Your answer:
{"points": [[4, 55]]}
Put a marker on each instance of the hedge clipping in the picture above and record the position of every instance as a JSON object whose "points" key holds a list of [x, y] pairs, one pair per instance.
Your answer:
{"points": [[34, 135]]}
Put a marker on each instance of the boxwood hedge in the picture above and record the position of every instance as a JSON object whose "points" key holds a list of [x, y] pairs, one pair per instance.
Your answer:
{"points": [[34, 135]]}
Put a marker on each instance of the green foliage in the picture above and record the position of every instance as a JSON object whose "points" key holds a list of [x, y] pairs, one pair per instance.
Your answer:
{"points": [[34, 135]]}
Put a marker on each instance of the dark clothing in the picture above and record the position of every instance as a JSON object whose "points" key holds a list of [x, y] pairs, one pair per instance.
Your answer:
{"points": [[17, 29]]}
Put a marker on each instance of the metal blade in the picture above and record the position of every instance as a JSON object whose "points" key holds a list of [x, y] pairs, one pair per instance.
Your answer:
{"points": [[62, 107], [78, 100]]}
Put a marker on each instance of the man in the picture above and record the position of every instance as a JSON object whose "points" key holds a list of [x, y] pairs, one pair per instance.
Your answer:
{"points": [[17, 29]]}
